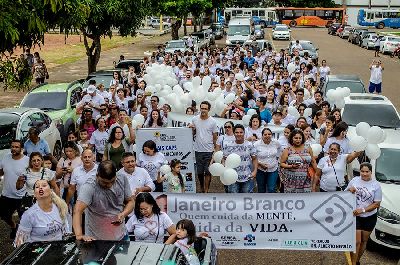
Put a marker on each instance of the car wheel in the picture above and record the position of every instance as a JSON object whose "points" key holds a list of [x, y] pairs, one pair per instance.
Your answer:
{"points": [[57, 151], [381, 25], [293, 23]]}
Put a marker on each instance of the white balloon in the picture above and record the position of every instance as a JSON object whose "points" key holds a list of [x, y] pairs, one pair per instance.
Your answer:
{"points": [[307, 112], [206, 82], [196, 82], [232, 161], [221, 178], [246, 120], [293, 111], [373, 151], [316, 148], [229, 98], [218, 156], [340, 103], [291, 67], [177, 90], [139, 119], [375, 135], [336, 95], [217, 91], [358, 143], [383, 137], [239, 77], [346, 91], [216, 169], [329, 95], [251, 112], [212, 96], [362, 129], [229, 177], [164, 169], [162, 101], [134, 148], [188, 86], [134, 124]]}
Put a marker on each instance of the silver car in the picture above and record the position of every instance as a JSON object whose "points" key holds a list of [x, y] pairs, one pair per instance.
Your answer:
{"points": [[368, 41], [307, 46], [344, 34]]}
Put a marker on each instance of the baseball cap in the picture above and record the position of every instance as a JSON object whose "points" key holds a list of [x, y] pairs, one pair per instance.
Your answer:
{"points": [[91, 89], [277, 112]]}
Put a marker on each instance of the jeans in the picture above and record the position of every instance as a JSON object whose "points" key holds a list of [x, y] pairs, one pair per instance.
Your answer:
{"points": [[241, 187], [266, 181]]}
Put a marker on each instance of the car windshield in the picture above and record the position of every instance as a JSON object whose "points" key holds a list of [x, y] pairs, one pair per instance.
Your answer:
{"points": [[46, 101], [238, 30], [355, 87], [394, 39], [8, 127], [101, 79], [173, 45], [307, 46], [281, 29], [387, 165], [381, 115]]}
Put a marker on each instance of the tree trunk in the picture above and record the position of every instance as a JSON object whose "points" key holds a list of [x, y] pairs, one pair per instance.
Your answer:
{"points": [[93, 51], [201, 22], [175, 29], [194, 24], [184, 26]]}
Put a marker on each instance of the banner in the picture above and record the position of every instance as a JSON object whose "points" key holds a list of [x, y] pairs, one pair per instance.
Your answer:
{"points": [[301, 221], [183, 120], [174, 143]]}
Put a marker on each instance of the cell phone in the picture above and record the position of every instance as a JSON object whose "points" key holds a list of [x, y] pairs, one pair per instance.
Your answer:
{"points": [[255, 135]]}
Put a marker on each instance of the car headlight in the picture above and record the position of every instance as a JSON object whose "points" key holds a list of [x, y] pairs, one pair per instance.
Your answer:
{"points": [[388, 216]]}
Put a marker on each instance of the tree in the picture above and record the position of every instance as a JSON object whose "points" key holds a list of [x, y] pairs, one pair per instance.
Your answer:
{"points": [[177, 9]]}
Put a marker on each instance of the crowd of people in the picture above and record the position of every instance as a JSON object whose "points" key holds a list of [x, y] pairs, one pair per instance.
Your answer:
{"points": [[102, 178]]}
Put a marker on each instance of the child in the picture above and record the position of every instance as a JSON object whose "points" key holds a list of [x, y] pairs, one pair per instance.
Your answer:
{"points": [[84, 142], [72, 136], [176, 184], [184, 239]]}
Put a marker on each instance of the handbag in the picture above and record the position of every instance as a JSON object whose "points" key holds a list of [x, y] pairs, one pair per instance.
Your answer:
{"points": [[310, 169]]}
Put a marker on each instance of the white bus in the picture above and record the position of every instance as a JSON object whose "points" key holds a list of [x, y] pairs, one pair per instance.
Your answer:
{"points": [[261, 16]]}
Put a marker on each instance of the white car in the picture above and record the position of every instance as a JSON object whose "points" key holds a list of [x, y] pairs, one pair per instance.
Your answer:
{"points": [[389, 44], [376, 110], [175, 45], [281, 32], [369, 40], [387, 171], [15, 123]]}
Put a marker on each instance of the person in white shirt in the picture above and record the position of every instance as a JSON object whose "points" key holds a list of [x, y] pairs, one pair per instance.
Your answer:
{"points": [[12, 166], [138, 178], [297, 46], [92, 100], [375, 81], [369, 197], [99, 139], [46, 220], [324, 70], [206, 131], [81, 173]]}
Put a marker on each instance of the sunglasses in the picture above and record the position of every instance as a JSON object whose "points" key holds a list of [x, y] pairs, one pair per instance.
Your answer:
{"points": [[228, 127]]}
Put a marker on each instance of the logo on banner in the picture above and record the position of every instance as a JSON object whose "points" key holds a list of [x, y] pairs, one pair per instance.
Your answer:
{"points": [[250, 240], [228, 240], [334, 220]]}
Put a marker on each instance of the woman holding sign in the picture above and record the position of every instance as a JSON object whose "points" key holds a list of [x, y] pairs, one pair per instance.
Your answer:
{"points": [[369, 197]]}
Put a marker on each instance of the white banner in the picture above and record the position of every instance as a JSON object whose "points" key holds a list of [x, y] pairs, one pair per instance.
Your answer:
{"points": [[174, 143], [183, 120], [308, 221]]}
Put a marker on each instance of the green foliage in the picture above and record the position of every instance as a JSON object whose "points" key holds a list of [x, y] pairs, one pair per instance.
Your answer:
{"points": [[15, 74]]}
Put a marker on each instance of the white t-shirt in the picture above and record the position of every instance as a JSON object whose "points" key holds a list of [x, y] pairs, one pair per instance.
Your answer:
{"points": [[367, 193], [248, 132], [99, 140], [268, 153], [330, 180], [344, 145], [32, 177], [97, 100], [12, 170], [324, 70], [38, 225], [151, 164], [146, 229], [376, 74], [138, 179], [80, 175], [204, 133], [247, 152], [223, 139]]}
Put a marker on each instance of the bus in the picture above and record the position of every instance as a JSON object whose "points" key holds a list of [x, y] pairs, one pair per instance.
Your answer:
{"points": [[261, 16], [316, 17], [379, 18]]}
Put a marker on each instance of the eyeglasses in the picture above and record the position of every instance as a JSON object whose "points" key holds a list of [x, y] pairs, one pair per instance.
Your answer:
{"points": [[228, 127]]}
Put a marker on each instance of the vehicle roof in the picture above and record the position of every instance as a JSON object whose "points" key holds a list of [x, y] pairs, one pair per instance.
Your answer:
{"points": [[175, 41], [236, 21], [344, 78], [59, 87], [365, 98], [18, 111], [102, 72]]}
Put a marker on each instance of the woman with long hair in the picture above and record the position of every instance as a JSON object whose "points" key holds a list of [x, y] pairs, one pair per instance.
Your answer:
{"points": [[337, 114], [176, 182], [155, 120], [339, 136], [117, 145], [46, 220], [149, 223], [316, 126], [254, 130]]}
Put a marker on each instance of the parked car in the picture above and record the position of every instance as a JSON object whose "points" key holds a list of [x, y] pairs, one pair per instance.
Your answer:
{"points": [[386, 170], [340, 29], [333, 28], [376, 110], [368, 41], [344, 34], [58, 101], [360, 37], [125, 64], [203, 37], [175, 45], [15, 123], [210, 34], [307, 46], [155, 23], [353, 82], [389, 44], [101, 77], [108, 252], [354, 34], [218, 30], [197, 45], [281, 32], [259, 32]]}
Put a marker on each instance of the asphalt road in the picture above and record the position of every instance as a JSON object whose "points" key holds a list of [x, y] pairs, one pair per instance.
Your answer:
{"points": [[343, 58]]}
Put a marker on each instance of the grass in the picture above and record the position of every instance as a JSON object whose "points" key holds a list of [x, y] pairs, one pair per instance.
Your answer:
{"points": [[396, 33], [71, 53]]}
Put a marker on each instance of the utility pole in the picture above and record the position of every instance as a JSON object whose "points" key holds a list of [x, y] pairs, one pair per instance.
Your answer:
{"points": [[369, 4]]}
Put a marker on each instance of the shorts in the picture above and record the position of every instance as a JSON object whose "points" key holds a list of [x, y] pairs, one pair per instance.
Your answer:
{"points": [[9, 206], [377, 48], [375, 87], [203, 160], [366, 223]]}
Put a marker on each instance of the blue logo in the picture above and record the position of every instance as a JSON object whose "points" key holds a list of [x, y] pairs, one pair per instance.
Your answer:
{"points": [[249, 238]]}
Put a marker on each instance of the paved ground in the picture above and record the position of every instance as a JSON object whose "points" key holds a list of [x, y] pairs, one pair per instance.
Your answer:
{"points": [[342, 57]]}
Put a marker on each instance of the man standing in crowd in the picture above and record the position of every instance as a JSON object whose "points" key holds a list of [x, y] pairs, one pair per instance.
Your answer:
{"points": [[108, 200], [35, 143], [92, 100], [139, 179], [375, 81], [206, 133], [247, 169], [316, 106], [12, 166]]}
